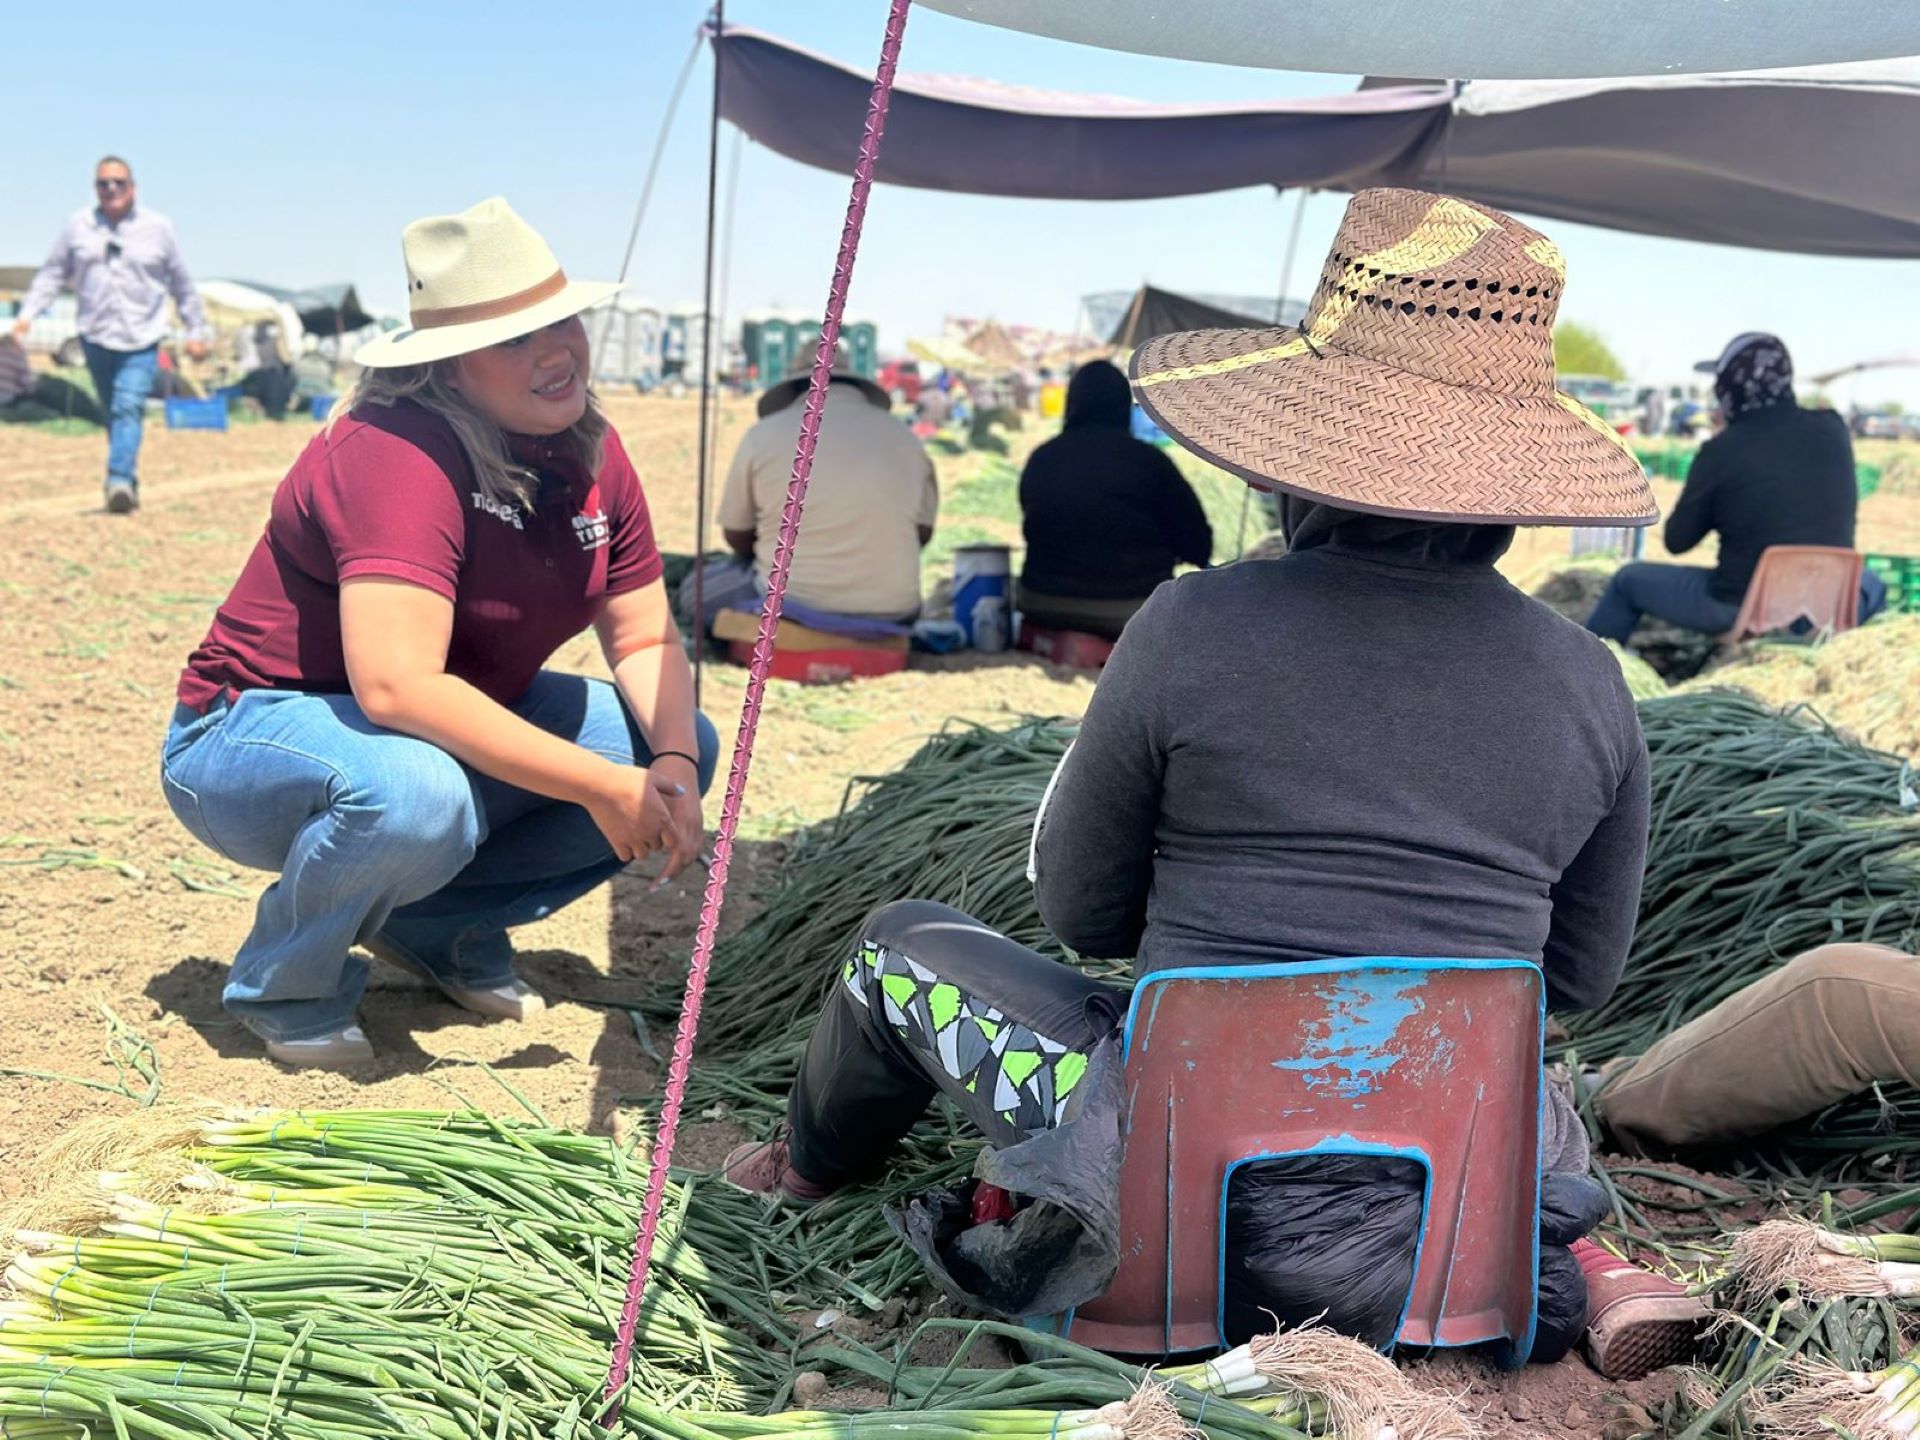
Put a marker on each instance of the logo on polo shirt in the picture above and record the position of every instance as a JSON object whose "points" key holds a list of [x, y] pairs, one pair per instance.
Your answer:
{"points": [[508, 513], [592, 530]]}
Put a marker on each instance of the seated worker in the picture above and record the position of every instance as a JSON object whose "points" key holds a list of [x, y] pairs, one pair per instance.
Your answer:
{"points": [[871, 507], [1372, 745], [369, 714], [1776, 475], [1106, 516]]}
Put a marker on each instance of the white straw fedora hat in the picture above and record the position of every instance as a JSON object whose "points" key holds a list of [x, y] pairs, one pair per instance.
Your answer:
{"points": [[473, 280]]}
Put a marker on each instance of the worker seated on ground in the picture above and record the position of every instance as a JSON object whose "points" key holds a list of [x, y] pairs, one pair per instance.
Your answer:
{"points": [[871, 506], [1776, 475], [369, 715], [1374, 745], [1106, 516]]}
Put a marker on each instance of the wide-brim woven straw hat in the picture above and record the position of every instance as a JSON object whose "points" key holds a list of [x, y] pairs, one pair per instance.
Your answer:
{"points": [[1419, 384], [476, 279], [791, 386]]}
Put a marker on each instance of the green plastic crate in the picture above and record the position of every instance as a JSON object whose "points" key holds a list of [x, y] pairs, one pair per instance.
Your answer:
{"points": [[1902, 574]]}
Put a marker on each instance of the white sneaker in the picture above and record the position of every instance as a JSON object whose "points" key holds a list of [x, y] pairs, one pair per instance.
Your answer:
{"points": [[515, 1000], [340, 1050]]}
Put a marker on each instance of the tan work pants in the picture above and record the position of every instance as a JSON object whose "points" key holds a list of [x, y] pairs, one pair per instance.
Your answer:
{"points": [[1824, 1026]]}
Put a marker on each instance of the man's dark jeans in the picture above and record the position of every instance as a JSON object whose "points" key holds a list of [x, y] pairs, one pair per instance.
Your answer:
{"points": [[1678, 594]]}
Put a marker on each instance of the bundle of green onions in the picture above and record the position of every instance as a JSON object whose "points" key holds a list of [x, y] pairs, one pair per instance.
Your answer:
{"points": [[1305, 1382], [1815, 1337], [360, 1274]]}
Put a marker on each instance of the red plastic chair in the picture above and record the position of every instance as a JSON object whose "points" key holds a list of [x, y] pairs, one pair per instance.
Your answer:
{"points": [[1436, 1060], [1065, 647], [1816, 583]]}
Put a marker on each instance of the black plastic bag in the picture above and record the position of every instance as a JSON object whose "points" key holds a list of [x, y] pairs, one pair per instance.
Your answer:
{"points": [[1312, 1235]]}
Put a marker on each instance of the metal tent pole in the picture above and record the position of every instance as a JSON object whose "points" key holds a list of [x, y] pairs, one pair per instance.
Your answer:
{"points": [[706, 366]]}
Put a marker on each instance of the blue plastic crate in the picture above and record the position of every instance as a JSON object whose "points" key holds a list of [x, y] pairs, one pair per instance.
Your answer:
{"points": [[188, 414], [323, 406]]}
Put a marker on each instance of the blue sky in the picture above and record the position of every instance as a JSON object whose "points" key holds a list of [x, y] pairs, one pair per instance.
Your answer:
{"points": [[291, 146]]}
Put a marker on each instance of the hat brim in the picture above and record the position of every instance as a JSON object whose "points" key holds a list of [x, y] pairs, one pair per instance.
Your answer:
{"points": [[1333, 427], [778, 397], [410, 346]]}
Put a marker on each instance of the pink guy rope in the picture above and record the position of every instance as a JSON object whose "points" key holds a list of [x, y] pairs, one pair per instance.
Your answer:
{"points": [[750, 711]]}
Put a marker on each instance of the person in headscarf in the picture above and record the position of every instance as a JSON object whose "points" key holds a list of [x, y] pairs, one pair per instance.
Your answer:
{"points": [[1106, 517], [1774, 474], [1373, 745]]}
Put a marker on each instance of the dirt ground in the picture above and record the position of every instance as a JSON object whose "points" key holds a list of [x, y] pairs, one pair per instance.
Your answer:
{"points": [[115, 930]]}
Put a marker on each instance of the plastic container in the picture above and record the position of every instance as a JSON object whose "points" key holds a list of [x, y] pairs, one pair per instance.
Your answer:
{"points": [[982, 582], [1902, 574], [323, 406], [184, 413]]}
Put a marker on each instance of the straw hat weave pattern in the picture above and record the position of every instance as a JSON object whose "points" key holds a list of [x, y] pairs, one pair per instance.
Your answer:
{"points": [[1420, 383]]}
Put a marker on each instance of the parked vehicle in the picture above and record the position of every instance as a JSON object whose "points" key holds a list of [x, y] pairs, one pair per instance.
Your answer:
{"points": [[901, 379]]}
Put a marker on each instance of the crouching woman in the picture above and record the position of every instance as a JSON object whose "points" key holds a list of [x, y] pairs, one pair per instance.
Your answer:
{"points": [[369, 714]]}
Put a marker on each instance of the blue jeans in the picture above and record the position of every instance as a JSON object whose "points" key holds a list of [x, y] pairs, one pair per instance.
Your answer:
{"points": [[1678, 594], [376, 833], [1675, 593], [124, 380]]}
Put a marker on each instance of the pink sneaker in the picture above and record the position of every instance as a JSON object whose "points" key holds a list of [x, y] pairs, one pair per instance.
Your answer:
{"points": [[1637, 1321], [763, 1168]]}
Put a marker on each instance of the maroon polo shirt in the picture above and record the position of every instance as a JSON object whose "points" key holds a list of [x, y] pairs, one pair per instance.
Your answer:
{"points": [[388, 491]]}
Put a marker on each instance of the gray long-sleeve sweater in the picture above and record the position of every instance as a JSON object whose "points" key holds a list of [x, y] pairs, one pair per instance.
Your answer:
{"points": [[1372, 746]]}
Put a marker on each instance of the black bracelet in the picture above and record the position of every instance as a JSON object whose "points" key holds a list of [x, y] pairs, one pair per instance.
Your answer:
{"points": [[678, 755]]}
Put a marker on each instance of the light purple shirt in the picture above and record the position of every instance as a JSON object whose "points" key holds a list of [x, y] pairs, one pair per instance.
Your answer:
{"points": [[122, 291]]}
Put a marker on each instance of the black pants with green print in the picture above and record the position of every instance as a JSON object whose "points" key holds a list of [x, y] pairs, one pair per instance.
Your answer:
{"points": [[934, 1002]]}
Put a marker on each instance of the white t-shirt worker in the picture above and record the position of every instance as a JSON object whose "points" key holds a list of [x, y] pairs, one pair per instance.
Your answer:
{"points": [[871, 503]]}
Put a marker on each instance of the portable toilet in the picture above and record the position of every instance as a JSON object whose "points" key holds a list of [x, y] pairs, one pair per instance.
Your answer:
{"points": [[626, 334], [766, 338], [683, 344], [862, 339], [806, 339]]}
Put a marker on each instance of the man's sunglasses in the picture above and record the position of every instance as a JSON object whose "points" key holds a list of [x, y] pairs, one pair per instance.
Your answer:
{"points": [[110, 186]]}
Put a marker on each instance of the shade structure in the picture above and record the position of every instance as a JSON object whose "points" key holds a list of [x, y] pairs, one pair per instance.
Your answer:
{"points": [[1480, 38], [1906, 360], [979, 137], [1130, 318], [323, 309], [1817, 160]]}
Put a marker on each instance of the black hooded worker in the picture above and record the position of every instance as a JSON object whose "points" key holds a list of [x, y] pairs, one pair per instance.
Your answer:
{"points": [[1106, 517], [1371, 746], [1777, 474]]}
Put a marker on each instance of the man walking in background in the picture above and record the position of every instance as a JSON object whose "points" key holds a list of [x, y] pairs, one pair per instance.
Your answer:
{"points": [[121, 264]]}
